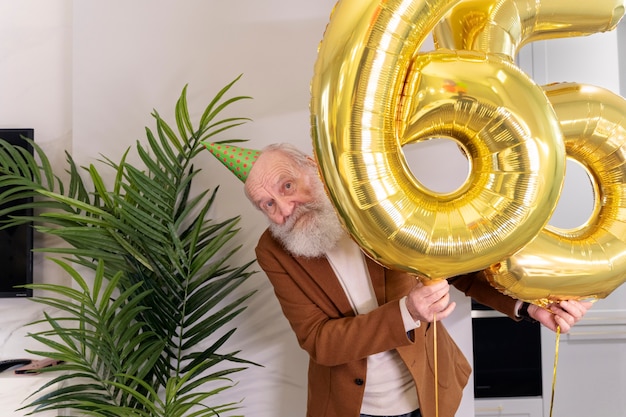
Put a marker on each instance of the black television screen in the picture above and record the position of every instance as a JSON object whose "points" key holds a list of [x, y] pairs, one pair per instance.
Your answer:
{"points": [[16, 242]]}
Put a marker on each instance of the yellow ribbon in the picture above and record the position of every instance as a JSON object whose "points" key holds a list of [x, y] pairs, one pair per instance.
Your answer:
{"points": [[556, 361], [436, 367]]}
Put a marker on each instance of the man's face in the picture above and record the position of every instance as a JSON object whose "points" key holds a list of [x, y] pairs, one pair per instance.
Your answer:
{"points": [[277, 186], [292, 196]]}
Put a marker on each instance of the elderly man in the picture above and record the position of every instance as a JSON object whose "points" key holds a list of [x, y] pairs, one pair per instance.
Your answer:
{"points": [[367, 329]]}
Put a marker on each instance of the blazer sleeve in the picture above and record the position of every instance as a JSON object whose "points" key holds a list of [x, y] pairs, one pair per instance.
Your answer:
{"points": [[477, 286], [329, 335]]}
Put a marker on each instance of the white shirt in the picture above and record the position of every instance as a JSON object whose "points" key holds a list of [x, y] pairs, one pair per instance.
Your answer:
{"points": [[389, 387]]}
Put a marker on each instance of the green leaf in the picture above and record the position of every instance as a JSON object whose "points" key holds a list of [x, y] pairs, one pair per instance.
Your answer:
{"points": [[158, 277]]}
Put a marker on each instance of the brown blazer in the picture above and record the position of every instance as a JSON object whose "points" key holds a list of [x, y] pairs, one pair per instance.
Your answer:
{"points": [[338, 342]]}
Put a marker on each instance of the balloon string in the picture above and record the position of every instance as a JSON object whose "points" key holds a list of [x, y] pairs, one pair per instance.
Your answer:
{"points": [[556, 361], [436, 367]]}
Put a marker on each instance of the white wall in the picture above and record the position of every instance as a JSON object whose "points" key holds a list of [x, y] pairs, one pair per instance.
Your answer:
{"points": [[132, 57], [35, 91], [87, 74]]}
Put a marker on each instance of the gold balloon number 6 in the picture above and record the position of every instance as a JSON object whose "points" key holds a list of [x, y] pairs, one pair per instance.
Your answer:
{"points": [[373, 92]]}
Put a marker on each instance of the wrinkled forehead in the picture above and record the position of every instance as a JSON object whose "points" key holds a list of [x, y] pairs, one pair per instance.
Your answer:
{"points": [[269, 170]]}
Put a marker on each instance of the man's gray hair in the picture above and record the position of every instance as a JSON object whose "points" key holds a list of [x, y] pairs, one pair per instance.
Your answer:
{"points": [[298, 156]]}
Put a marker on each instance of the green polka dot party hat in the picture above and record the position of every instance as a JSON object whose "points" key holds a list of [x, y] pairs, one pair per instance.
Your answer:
{"points": [[237, 160]]}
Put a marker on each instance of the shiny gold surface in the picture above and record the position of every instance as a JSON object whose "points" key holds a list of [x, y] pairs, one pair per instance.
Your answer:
{"points": [[373, 92], [589, 261], [504, 26]]}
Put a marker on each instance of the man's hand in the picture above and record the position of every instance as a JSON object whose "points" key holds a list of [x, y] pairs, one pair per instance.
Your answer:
{"points": [[424, 302], [564, 314]]}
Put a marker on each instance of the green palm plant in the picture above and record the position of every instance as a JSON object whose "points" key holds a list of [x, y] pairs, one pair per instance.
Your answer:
{"points": [[160, 283]]}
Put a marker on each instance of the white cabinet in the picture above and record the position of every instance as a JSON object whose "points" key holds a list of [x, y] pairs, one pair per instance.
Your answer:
{"points": [[590, 372], [14, 389], [509, 407], [591, 368]]}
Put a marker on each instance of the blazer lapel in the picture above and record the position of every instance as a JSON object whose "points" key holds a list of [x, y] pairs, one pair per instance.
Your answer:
{"points": [[322, 274], [377, 276]]}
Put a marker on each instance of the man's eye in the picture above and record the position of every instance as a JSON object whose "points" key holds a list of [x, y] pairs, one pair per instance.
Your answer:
{"points": [[288, 186]]}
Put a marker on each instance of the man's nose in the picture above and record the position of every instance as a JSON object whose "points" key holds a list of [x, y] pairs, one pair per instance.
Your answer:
{"points": [[286, 206]]}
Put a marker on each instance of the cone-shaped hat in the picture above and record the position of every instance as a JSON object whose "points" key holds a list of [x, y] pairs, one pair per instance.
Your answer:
{"points": [[238, 160]]}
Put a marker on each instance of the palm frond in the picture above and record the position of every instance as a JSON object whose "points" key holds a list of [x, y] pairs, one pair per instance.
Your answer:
{"points": [[162, 280]]}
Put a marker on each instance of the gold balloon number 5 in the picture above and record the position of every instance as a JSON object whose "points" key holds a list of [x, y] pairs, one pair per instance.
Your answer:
{"points": [[373, 92]]}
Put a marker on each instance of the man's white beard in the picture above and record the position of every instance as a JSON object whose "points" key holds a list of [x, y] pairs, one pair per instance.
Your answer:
{"points": [[314, 235]]}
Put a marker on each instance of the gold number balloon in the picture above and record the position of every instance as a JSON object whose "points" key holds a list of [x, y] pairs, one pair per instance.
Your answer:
{"points": [[587, 262], [373, 93], [590, 260], [504, 26]]}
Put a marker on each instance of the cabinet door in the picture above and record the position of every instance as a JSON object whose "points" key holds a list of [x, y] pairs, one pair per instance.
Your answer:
{"points": [[15, 388], [509, 407], [591, 367]]}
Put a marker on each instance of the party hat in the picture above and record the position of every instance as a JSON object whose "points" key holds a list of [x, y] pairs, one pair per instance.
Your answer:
{"points": [[238, 160]]}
